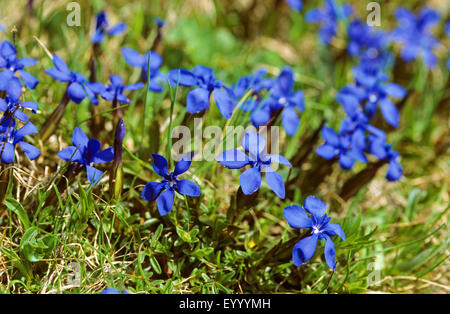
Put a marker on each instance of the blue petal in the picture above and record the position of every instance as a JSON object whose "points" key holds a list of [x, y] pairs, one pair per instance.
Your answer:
{"points": [[290, 121], [117, 29], [133, 58], [334, 229], [296, 217], [285, 80], [233, 159], [30, 105], [60, 65], [155, 86], [183, 77], [275, 182], [94, 175], [314, 206], [79, 138], [160, 165], [394, 90], [7, 151], [260, 117], [165, 202], [295, 5], [253, 143], [14, 88], [151, 191], [76, 92], [93, 146], [197, 100], [330, 252], [224, 103], [250, 181], [390, 112], [326, 151], [29, 80], [346, 162], [58, 75], [70, 153], [134, 86], [31, 151], [183, 164], [280, 160], [98, 37], [330, 136], [27, 129], [304, 250], [104, 156], [188, 188], [395, 171]]}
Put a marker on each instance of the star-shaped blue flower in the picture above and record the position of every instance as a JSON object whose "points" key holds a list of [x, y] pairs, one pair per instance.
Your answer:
{"points": [[102, 28], [164, 191], [115, 89], [258, 160], [11, 64], [87, 152], [320, 229], [329, 17], [10, 136], [135, 59], [282, 97], [78, 86], [205, 81], [11, 107], [414, 33], [383, 151]]}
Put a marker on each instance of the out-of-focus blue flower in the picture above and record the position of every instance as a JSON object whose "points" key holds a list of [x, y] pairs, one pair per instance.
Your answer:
{"points": [[159, 21], [115, 89], [205, 81], [383, 151], [329, 16], [113, 291], [295, 5], [87, 152], [78, 86], [369, 44], [135, 59], [164, 191], [282, 97], [371, 91], [348, 147], [415, 35], [10, 136], [11, 64], [320, 228], [2, 28], [102, 28], [11, 108], [258, 160]]}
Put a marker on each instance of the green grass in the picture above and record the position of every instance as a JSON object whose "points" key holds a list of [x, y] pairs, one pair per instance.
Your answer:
{"points": [[397, 233]]}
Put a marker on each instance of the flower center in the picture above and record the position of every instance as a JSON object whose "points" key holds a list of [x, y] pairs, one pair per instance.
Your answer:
{"points": [[282, 101], [316, 230], [373, 97]]}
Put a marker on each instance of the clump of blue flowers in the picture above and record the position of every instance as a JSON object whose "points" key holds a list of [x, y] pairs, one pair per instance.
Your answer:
{"points": [[164, 191], [320, 228], [259, 162]]}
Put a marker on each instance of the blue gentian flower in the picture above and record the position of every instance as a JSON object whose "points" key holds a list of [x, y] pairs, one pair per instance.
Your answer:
{"points": [[78, 85], [11, 107], [164, 191], [102, 28], [205, 80], [414, 33], [86, 152], [258, 160], [295, 5], [343, 145], [115, 89], [113, 291], [369, 44], [383, 151], [320, 228], [282, 97], [135, 59], [11, 64], [371, 90], [10, 136], [329, 17]]}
